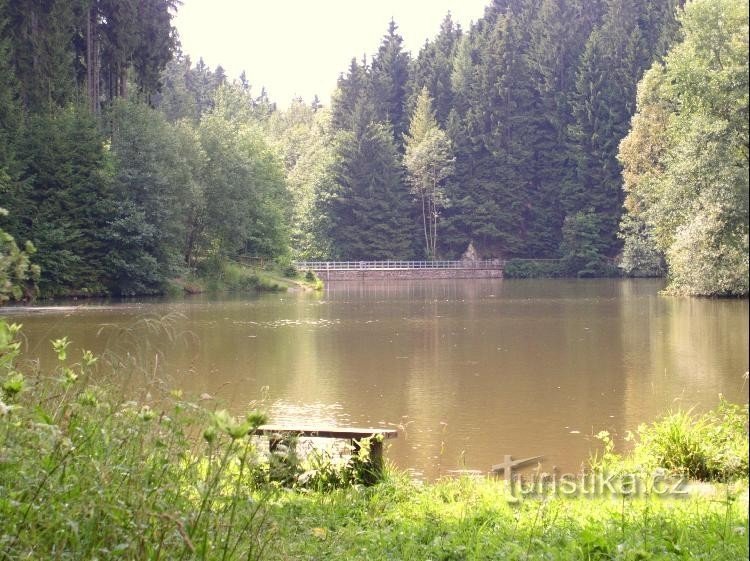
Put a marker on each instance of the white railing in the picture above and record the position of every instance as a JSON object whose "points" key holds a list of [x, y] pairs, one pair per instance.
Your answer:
{"points": [[379, 265]]}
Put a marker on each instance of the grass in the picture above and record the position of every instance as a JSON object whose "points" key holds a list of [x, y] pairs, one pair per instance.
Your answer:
{"points": [[712, 446], [230, 276], [87, 475], [467, 519]]}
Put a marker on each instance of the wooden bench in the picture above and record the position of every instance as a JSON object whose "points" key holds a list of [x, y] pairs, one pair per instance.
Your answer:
{"points": [[278, 434]]}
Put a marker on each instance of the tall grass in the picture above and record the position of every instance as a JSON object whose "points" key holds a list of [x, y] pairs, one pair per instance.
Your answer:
{"points": [[85, 476], [711, 446]]}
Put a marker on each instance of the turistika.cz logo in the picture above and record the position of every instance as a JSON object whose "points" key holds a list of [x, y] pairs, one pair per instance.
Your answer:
{"points": [[593, 483]]}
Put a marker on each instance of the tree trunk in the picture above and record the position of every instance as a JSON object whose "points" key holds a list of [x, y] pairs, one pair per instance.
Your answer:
{"points": [[123, 93], [89, 61], [92, 59]]}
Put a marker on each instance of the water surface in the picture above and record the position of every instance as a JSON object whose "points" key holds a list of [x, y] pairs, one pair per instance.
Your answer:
{"points": [[469, 370]]}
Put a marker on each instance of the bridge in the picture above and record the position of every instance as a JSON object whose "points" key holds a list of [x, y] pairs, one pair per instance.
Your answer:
{"points": [[403, 270]]}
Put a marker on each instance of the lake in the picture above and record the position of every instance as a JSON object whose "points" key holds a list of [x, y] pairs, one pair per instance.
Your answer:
{"points": [[468, 370]]}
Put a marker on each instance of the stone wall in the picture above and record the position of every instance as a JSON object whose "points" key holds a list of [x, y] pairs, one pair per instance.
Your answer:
{"points": [[408, 274]]}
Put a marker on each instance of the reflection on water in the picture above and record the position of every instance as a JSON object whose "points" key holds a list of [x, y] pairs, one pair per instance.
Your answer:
{"points": [[468, 370]]}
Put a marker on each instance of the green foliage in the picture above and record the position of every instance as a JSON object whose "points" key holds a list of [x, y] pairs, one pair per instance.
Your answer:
{"points": [[124, 211], [304, 139], [61, 200], [433, 68], [711, 446], [533, 99], [685, 159], [368, 208], [154, 182], [640, 257], [467, 519], [389, 76], [123, 478], [429, 162], [228, 276], [17, 275], [245, 194], [532, 269], [583, 248]]}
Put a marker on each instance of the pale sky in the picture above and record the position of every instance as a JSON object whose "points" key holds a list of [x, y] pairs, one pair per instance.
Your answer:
{"points": [[299, 47]]}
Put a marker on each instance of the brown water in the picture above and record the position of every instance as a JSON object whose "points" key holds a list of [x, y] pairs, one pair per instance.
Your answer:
{"points": [[470, 370]]}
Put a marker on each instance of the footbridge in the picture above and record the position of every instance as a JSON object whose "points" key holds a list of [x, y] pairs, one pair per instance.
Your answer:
{"points": [[403, 270]]}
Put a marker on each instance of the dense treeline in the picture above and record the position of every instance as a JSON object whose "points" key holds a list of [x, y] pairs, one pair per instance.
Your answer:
{"points": [[126, 165], [534, 99], [119, 182]]}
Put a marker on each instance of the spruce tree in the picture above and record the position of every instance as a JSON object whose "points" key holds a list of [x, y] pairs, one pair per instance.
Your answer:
{"points": [[433, 68], [10, 109], [175, 100], [389, 79], [62, 200], [352, 88], [41, 51], [615, 57], [369, 207], [557, 37]]}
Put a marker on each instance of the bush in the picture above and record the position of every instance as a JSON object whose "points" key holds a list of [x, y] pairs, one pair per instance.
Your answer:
{"points": [[290, 271], [18, 276], [712, 446], [532, 269], [237, 277]]}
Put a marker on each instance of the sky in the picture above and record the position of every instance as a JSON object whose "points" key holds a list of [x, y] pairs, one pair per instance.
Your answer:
{"points": [[299, 47]]}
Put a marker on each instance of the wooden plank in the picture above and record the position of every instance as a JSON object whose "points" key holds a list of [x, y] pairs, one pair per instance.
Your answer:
{"points": [[309, 431]]}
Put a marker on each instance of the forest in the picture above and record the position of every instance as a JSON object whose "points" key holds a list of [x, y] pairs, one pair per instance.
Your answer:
{"points": [[609, 135]]}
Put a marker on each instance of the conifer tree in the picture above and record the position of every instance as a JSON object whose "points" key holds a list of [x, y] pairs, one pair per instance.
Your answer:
{"points": [[557, 37], [41, 51], [369, 208], [352, 88], [10, 109], [62, 200], [389, 79], [175, 100], [433, 68], [615, 57]]}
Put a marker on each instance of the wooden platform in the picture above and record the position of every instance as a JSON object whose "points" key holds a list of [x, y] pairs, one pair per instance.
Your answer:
{"points": [[279, 434], [312, 431]]}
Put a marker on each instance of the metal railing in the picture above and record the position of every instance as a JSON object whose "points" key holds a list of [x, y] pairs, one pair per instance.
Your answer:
{"points": [[380, 265]]}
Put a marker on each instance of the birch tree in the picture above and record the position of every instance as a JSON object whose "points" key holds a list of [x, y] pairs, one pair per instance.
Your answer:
{"points": [[429, 162]]}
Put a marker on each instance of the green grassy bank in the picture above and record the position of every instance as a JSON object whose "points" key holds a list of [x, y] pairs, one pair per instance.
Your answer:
{"points": [[87, 475], [230, 276]]}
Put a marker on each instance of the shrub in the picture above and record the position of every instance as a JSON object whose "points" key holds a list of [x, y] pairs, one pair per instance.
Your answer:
{"points": [[532, 269], [18, 276], [712, 446]]}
